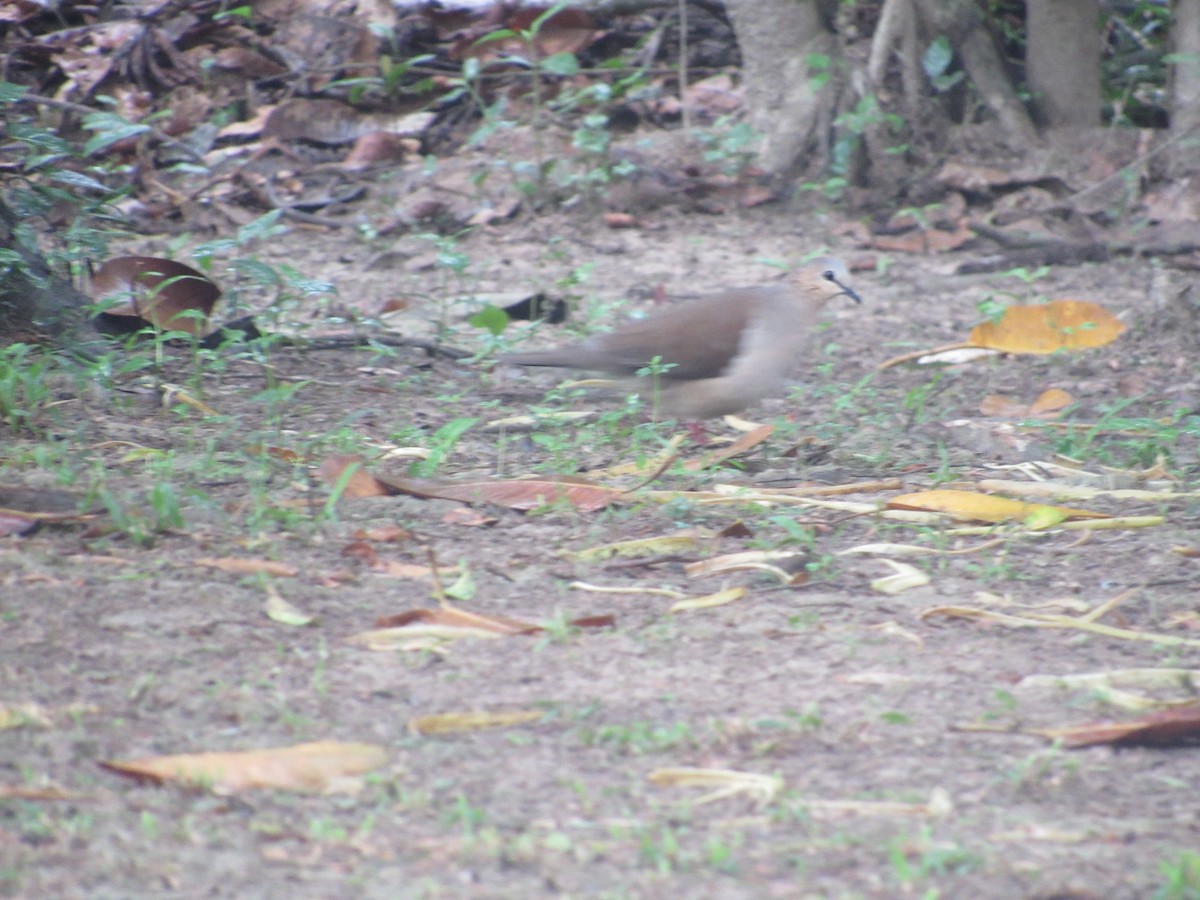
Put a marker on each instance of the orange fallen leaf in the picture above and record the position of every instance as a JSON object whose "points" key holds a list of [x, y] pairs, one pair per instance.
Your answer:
{"points": [[1049, 327], [281, 453], [240, 566], [620, 220], [1050, 400], [1048, 403], [357, 482], [385, 534], [999, 405]]}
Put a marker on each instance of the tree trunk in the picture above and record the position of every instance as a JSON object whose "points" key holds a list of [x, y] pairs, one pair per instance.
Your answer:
{"points": [[792, 67], [35, 302], [1063, 61], [1185, 74], [962, 22]]}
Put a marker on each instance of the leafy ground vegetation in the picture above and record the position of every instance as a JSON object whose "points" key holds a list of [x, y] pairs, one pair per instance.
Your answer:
{"points": [[533, 640]]}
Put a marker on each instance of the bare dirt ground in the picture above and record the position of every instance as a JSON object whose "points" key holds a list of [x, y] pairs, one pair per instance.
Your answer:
{"points": [[843, 692]]}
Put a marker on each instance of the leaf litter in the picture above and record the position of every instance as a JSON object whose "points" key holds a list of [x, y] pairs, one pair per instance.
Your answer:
{"points": [[766, 655]]}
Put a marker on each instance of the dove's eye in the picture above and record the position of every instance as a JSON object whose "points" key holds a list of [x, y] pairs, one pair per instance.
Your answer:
{"points": [[828, 275]]}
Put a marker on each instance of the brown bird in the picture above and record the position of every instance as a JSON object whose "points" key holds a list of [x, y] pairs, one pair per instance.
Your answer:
{"points": [[724, 352]]}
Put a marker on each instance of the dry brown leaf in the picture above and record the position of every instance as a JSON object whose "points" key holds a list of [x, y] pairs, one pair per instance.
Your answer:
{"points": [[322, 766], [280, 453], [933, 240], [621, 220], [25, 792], [746, 442], [358, 483], [1178, 727], [974, 178], [433, 629], [453, 617], [523, 494], [394, 568], [1000, 405], [567, 31], [12, 522], [385, 534], [159, 291], [239, 566], [470, 518]]}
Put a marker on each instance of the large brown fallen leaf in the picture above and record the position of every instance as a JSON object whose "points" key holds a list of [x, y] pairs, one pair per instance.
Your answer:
{"points": [[932, 240], [23, 508], [1176, 727], [168, 294], [1049, 327], [322, 766], [520, 493], [347, 473]]}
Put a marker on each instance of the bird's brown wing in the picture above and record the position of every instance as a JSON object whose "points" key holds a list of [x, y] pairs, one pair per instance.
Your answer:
{"points": [[700, 338]]}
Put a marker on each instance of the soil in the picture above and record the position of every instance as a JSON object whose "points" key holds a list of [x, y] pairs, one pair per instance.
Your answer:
{"points": [[921, 724]]}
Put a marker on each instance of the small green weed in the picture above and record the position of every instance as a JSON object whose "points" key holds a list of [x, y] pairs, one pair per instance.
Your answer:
{"points": [[1181, 877], [24, 392]]}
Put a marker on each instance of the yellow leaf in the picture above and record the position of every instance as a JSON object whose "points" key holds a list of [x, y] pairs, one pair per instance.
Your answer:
{"points": [[969, 505], [724, 782], [1049, 327], [20, 716], [655, 546], [1045, 516], [720, 598], [904, 577], [448, 723], [281, 611]]}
